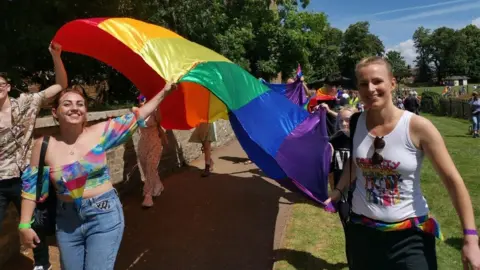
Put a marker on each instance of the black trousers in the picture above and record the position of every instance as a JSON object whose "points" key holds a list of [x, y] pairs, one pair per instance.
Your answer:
{"points": [[372, 249], [10, 191]]}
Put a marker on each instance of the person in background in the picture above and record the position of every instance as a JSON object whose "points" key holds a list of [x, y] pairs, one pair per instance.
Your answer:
{"points": [[411, 103], [343, 101], [399, 104], [360, 106], [205, 134], [475, 103], [304, 84], [353, 101], [417, 103], [150, 147], [330, 88], [90, 220], [340, 143], [17, 121], [390, 224]]}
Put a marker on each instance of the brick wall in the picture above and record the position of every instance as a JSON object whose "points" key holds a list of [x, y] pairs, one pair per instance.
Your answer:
{"points": [[123, 165]]}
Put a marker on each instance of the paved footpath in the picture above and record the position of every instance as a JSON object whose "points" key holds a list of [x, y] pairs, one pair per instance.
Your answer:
{"points": [[234, 219]]}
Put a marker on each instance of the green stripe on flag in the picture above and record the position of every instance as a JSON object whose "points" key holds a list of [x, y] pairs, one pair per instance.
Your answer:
{"points": [[229, 82]]}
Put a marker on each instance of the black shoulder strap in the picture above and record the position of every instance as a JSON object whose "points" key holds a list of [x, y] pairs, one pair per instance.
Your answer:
{"points": [[353, 127], [41, 164]]}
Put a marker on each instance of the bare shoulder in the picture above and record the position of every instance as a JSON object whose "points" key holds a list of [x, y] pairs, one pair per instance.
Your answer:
{"points": [[420, 123], [423, 131], [36, 147]]}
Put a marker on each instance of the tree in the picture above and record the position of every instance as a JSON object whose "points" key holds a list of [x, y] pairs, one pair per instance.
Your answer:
{"points": [[469, 37], [445, 52], [399, 66], [423, 45], [358, 43]]}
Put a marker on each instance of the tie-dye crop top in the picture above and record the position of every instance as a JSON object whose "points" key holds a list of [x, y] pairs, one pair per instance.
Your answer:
{"points": [[88, 172]]}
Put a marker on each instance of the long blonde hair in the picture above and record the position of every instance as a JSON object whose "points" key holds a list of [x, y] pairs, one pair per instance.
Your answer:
{"points": [[348, 108]]}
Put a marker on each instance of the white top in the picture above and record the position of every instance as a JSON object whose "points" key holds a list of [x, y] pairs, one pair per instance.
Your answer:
{"points": [[388, 192]]}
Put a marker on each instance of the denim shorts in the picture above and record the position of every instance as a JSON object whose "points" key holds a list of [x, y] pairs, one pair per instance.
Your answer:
{"points": [[89, 236]]}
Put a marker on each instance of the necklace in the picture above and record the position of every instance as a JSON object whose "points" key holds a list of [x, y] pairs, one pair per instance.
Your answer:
{"points": [[71, 151]]}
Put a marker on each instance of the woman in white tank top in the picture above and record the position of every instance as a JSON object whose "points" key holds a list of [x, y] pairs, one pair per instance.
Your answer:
{"points": [[390, 226]]}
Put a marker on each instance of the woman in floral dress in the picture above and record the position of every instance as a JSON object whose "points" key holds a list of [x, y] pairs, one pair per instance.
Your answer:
{"points": [[150, 146]]}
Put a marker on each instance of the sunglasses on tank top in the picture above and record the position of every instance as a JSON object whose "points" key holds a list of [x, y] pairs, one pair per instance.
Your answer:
{"points": [[378, 144]]}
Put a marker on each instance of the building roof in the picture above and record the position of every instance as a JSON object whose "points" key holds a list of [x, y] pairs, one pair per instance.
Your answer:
{"points": [[452, 78]]}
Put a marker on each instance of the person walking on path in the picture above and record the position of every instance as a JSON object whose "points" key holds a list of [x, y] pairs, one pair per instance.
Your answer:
{"points": [[150, 147], [205, 134], [390, 225], [475, 103], [17, 121], [90, 220]]}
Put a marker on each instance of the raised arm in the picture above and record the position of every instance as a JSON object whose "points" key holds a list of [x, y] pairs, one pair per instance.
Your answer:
{"points": [[426, 137], [119, 129], [60, 73], [153, 103]]}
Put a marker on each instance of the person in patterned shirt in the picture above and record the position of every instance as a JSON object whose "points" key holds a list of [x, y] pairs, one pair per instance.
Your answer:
{"points": [[17, 121]]}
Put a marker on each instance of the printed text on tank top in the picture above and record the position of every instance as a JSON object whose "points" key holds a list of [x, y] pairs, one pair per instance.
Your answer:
{"points": [[389, 191]]}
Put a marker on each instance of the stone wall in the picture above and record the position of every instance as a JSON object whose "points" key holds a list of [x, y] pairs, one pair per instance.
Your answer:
{"points": [[123, 165]]}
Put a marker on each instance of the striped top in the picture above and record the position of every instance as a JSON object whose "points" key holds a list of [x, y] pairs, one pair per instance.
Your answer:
{"points": [[88, 172]]}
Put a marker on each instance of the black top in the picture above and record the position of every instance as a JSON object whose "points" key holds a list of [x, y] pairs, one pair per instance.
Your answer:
{"points": [[411, 104], [341, 153], [331, 122]]}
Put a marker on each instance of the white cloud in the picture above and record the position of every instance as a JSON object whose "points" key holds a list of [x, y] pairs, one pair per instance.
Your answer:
{"points": [[437, 12], [476, 22], [419, 7], [407, 49]]}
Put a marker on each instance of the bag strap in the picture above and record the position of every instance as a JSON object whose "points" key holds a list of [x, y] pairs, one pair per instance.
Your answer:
{"points": [[352, 127], [41, 164]]}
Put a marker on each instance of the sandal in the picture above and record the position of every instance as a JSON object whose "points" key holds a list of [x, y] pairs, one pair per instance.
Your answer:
{"points": [[147, 202], [208, 169], [157, 191]]}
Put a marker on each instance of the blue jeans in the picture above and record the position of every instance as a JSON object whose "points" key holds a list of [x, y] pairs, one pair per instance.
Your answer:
{"points": [[89, 238], [476, 121]]}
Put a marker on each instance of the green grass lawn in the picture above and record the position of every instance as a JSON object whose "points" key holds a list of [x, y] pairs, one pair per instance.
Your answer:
{"points": [[315, 240], [437, 89]]}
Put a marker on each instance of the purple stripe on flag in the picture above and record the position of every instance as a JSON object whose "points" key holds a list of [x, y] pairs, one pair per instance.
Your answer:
{"points": [[293, 91], [305, 156]]}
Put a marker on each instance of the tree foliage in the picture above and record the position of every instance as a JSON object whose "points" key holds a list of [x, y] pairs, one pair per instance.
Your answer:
{"points": [[447, 52], [358, 43], [264, 37], [399, 66]]}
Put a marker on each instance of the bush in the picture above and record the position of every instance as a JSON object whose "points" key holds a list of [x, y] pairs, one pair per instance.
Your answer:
{"points": [[431, 102]]}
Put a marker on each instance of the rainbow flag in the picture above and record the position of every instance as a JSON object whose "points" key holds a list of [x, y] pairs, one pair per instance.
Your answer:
{"points": [[76, 187], [299, 71]]}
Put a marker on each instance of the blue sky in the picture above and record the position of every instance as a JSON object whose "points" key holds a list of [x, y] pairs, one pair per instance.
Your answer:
{"points": [[394, 21]]}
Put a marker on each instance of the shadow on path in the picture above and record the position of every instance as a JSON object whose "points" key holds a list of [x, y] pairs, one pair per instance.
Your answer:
{"points": [[219, 222], [305, 260], [230, 220], [235, 160], [455, 242]]}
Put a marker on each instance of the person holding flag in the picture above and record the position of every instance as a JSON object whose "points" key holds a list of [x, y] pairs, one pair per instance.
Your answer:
{"points": [[300, 77]]}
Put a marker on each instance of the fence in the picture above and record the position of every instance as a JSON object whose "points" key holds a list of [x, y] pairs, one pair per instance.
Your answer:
{"points": [[452, 107]]}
